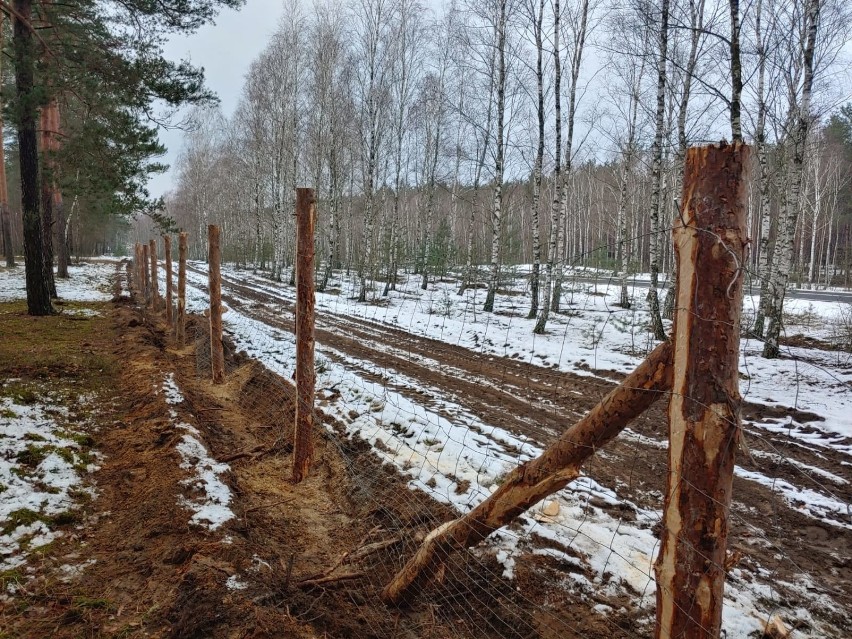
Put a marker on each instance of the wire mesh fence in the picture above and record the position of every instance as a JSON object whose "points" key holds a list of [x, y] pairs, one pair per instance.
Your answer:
{"points": [[427, 404]]}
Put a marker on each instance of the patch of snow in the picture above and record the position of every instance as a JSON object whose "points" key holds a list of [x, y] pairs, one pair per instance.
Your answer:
{"points": [[87, 282], [234, 583], [210, 507], [211, 497], [828, 510], [29, 433], [171, 390], [69, 572]]}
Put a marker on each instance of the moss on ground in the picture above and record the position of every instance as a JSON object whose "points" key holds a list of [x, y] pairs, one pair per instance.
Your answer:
{"points": [[58, 348]]}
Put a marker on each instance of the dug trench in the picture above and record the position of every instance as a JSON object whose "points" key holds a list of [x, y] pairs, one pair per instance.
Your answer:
{"points": [[306, 560]]}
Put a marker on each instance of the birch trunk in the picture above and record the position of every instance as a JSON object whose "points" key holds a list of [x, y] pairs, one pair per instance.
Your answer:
{"points": [[537, 168], [5, 215], [696, 13], [576, 65], [784, 243], [497, 201], [558, 186], [656, 175], [764, 266]]}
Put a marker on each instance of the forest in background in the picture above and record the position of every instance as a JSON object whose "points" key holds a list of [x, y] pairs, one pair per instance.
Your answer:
{"points": [[528, 132]]}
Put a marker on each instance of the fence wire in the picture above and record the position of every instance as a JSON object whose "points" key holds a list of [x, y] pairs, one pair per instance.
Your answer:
{"points": [[429, 402]]}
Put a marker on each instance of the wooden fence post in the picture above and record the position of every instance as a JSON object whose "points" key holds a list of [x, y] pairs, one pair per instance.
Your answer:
{"points": [[167, 248], [145, 275], [531, 482], [303, 443], [181, 303], [137, 271], [217, 353], [710, 241], [141, 265], [155, 282]]}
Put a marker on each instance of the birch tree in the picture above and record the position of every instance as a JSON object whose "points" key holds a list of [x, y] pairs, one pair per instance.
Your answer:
{"points": [[500, 20], [783, 254], [657, 170], [372, 36], [578, 24]]}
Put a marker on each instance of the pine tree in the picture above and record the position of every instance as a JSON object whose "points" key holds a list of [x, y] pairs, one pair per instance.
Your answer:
{"points": [[108, 77]]}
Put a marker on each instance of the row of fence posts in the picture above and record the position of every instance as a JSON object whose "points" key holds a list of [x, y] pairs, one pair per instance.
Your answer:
{"points": [[697, 371], [145, 274], [144, 278]]}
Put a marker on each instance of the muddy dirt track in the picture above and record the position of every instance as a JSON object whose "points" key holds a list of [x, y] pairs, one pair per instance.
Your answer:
{"points": [[539, 403]]}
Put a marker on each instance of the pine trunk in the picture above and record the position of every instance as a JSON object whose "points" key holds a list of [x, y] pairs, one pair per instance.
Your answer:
{"points": [[710, 238], [531, 482], [38, 292]]}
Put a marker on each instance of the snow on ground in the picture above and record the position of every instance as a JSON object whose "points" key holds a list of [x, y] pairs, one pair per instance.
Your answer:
{"points": [[87, 282], [593, 334], [449, 453], [42, 467], [209, 498]]}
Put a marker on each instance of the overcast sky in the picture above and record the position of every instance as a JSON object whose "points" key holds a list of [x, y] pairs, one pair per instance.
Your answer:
{"points": [[225, 50]]}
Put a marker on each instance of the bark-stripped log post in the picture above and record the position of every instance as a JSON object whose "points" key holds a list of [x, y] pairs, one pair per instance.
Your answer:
{"points": [[217, 352], [180, 329], [531, 482], [167, 248], [303, 442], [704, 408], [137, 271], [146, 287], [155, 281]]}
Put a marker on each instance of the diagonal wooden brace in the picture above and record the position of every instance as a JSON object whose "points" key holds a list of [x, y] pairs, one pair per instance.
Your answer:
{"points": [[531, 482]]}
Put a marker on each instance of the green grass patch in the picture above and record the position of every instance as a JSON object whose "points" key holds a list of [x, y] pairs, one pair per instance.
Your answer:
{"points": [[20, 517], [24, 396], [33, 455], [27, 517], [83, 440], [67, 518], [11, 576]]}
